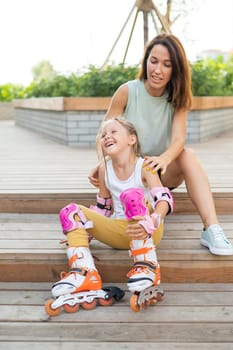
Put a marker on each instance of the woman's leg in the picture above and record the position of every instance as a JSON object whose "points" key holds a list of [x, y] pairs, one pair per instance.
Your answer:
{"points": [[187, 167]]}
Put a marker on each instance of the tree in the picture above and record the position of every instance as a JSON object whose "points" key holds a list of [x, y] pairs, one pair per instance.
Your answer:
{"points": [[43, 70]]}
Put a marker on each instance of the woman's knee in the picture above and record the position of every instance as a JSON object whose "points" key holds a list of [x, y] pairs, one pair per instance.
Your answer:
{"points": [[187, 155]]}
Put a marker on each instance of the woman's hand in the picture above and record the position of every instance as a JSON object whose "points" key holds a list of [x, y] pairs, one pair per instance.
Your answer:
{"points": [[153, 164], [94, 176]]}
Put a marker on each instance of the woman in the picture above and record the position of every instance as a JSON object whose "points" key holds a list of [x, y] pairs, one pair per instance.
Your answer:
{"points": [[157, 104]]}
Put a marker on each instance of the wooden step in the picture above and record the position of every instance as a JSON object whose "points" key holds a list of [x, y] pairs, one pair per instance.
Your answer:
{"points": [[192, 316], [51, 203], [41, 176], [30, 251]]}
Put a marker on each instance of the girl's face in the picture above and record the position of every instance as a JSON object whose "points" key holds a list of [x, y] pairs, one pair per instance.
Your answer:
{"points": [[115, 138], [159, 70]]}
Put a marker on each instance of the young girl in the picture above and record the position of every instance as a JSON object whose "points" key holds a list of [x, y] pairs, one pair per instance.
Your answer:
{"points": [[122, 184]]}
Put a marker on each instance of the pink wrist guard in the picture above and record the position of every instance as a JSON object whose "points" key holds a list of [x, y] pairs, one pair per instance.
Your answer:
{"points": [[133, 202], [103, 206], [148, 224], [163, 194]]}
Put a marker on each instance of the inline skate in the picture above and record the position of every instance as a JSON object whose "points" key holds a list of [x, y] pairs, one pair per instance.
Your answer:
{"points": [[81, 286]]}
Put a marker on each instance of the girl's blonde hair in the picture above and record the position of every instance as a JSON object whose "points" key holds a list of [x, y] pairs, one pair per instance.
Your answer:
{"points": [[130, 128]]}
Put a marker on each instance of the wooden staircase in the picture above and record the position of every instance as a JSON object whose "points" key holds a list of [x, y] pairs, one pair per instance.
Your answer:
{"points": [[197, 311], [31, 251]]}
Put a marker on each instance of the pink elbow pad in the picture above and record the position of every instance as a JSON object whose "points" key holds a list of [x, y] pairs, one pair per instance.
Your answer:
{"points": [[103, 206], [163, 194]]}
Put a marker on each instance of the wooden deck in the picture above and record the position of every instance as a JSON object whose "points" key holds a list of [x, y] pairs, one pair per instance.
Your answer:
{"points": [[30, 251], [192, 316], [40, 176], [37, 178]]}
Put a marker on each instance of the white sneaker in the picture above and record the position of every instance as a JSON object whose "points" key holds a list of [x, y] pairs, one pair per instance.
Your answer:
{"points": [[215, 239]]}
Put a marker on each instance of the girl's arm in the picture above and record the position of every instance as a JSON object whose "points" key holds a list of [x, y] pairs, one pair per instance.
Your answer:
{"points": [[163, 205], [104, 200]]}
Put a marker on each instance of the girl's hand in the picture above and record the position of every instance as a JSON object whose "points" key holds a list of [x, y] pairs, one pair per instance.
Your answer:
{"points": [[136, 231], [94, 176], [153, 164]]}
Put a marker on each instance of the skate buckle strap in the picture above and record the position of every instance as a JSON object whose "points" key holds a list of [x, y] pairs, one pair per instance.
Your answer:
{"points": [[75, 257], [139, 251], [79, 270], [148, 264], [143, 265]]}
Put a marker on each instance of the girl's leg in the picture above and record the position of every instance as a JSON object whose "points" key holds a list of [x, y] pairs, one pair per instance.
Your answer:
{"points": [[187, 167], [112, 231], [146, 270], [75, 221], [83, 275]]}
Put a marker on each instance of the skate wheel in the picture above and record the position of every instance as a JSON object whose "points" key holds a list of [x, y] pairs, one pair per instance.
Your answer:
{"points": [[89, 306], [105, 302], [153, 301], [50, 311], [160, 296], [70, 309], [63, 274], [134, 303]]}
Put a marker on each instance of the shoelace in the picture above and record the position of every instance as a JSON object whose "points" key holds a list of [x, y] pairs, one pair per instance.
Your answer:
{"points": [[218, 233]]}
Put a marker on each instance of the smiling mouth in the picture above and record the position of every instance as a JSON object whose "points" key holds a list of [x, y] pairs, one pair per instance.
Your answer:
{"points": [[157, 78], [109, 144]]}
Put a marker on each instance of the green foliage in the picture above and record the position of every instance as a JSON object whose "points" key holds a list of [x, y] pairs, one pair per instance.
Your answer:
{"points": [[210, 77], [92, 83], [9, 92], [59, 86], [104, 83]]}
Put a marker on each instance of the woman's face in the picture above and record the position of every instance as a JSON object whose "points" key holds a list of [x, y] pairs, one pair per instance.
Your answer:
{"points": [[159, 70]]}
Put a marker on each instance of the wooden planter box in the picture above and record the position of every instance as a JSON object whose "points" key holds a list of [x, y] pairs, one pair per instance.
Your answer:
{"points": [[74, 121]]}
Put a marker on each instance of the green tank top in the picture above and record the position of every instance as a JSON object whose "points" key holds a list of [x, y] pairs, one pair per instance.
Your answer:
{"points": [[151, 116]]}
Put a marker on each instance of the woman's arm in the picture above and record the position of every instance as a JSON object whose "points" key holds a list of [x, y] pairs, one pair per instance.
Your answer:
{"points": [[118, 102]]}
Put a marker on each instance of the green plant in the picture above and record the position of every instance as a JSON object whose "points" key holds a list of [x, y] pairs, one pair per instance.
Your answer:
{"points": [[9, 92]]}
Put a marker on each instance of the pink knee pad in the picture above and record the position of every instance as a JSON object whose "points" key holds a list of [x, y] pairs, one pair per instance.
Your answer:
{"points": [[133, 202], [67, 220]]}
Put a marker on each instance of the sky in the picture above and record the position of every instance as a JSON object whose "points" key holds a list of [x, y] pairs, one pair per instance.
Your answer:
{"points": [[73, 34]]}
